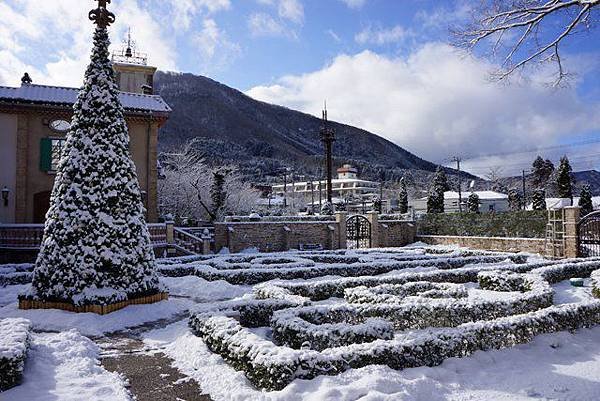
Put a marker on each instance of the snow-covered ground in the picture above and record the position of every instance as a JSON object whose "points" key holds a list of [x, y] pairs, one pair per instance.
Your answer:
{"points": [[560, 366], [64, 364]]}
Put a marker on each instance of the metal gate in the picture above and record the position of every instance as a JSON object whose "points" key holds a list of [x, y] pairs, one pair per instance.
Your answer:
{"points": [[588, 234], [358, 232]]}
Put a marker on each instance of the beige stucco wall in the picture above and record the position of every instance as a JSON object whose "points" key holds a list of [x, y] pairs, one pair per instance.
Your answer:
{"points": [[24, 161], [8, 162], [131, 78]]}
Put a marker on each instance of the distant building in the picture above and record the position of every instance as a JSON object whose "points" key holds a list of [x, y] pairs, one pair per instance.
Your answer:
{"points": [[347, 190], [34, 121], [558, 203], [490, 201]]}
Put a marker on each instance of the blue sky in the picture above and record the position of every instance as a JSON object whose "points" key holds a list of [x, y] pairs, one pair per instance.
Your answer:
{"points": [[383, 65]]}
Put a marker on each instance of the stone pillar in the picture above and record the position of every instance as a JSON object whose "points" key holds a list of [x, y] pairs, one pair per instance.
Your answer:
{"points": [[206, 242], [170, 232], [571, 218], [341, 218], [373, 218], [286, 238]]}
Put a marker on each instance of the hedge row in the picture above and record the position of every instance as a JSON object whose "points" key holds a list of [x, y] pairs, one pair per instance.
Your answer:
{"points": [[273, 367], [519, 224], [14, 344], [259, 274]]}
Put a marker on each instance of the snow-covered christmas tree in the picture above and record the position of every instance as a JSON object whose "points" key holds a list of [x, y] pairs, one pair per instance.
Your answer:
{"points": [[96, 248]]}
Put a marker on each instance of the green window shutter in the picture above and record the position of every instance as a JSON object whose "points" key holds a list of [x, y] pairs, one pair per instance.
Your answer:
{"points": [[46, 154]]}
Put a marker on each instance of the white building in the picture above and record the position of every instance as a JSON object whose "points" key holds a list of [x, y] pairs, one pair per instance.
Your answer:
{"points": [[346, 189], [489, 201]]}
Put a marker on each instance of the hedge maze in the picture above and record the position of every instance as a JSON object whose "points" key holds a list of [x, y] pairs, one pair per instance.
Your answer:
{"points": [[403, 308]]}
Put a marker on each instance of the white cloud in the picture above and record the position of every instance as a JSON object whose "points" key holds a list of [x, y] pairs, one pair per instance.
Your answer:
{"points": [[216, 50], [292, 10], [354, 3], [184, 11], [262, 24], [382, 36], [436, 103]]}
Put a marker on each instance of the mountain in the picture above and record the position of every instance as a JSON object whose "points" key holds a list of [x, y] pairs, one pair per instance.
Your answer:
{"points": [[231, 127]]}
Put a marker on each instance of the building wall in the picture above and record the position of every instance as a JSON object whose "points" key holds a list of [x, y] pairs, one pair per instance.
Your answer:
{"points": [[30, 181], [531, 245], [131, 78], [8, 157]]}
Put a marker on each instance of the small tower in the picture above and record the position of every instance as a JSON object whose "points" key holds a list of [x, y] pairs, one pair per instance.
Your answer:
{"points": [[134, 75]]}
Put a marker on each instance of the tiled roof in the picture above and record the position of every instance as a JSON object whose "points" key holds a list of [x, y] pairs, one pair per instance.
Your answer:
{"points": [[55, 95]]}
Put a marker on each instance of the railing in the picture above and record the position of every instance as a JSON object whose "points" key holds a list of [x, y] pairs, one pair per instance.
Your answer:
{"points": [[21, 236], [192, 240], [29, 236]]}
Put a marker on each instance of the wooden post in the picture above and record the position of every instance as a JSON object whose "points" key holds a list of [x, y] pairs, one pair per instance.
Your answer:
{"points": [[571, 216]]}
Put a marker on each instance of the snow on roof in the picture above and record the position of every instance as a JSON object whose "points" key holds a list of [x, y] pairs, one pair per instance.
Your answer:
{"points": [[552, 203], [56, 95], [482, 195]]}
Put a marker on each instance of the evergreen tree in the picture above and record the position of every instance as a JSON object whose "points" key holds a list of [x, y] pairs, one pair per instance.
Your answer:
{"points": [[377, 204], [435, 200], [96, 247], [473, 203], [585, 200], [541, 171], [327, 209], [515, 200], [218, 194], [539, 199], [403, 197], [564, 180]]}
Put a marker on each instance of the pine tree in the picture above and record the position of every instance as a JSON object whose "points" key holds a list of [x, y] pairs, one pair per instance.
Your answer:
{"points": [[515, 200], [585, 200], [435, 200], [96, 247], [473, 203], [327, 209], [541, 171], [564, 180], [539, 199], [218, 194], [377, 204], [403, 197]]}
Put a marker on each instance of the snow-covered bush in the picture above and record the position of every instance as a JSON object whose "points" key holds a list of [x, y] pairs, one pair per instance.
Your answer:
{"points": [[14, 344], [305, 339], [96, 240]]}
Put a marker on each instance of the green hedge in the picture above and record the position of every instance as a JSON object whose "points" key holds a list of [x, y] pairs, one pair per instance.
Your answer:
{"points": [[521, 224]]}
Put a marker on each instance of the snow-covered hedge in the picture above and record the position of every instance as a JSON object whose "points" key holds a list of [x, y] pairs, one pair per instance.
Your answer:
{"points": [[272, 367], [247, 219], [261, 273], [14, 344], [305, 340]]}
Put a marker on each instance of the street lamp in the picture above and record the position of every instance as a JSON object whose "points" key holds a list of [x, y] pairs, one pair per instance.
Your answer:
{"points": [[5, 193]]}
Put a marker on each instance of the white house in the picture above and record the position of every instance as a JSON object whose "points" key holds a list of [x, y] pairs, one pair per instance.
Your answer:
{"points": [[489, 201]]}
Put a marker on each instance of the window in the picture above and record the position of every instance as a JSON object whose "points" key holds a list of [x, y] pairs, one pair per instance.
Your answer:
{"points": [[51, 151]]}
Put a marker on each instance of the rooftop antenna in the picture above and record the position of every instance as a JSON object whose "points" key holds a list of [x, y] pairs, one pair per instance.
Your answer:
{"points": [[128, 51]]}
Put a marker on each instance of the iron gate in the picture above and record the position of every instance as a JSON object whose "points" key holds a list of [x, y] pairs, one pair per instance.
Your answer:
{"points": [[358, 232], [588, 234]]}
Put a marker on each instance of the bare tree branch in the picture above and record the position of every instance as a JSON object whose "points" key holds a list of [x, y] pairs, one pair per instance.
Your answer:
{"points": [[528, 28]]}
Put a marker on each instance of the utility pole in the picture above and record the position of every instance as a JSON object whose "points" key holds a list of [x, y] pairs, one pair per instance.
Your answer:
{"points": [[285, 188], [328, 137], [524, 194], [457, 159], [312, 197]]}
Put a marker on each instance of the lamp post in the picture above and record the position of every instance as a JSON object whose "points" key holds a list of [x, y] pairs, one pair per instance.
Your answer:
{"points": [[5, 193], [328, 137]]}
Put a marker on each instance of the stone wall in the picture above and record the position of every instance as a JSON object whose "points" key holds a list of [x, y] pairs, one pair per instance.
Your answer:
{"points": [[276, 236], [394, 233], [270, 236], [504, 244]]}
